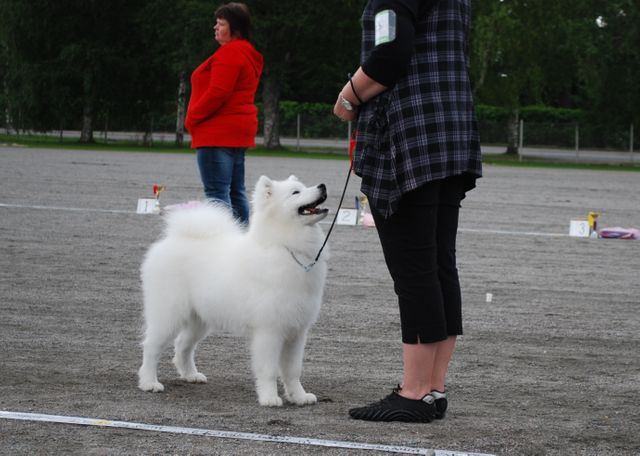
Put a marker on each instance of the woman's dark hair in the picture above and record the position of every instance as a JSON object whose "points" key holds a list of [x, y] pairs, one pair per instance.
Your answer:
{"points": [[238, 17]]}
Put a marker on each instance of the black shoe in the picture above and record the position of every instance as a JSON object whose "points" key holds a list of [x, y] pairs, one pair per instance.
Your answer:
{"points": [[397, 408], [441, 403]]}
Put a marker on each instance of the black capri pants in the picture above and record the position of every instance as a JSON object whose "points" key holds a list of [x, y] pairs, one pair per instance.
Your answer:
{"points": [[419, 246]]}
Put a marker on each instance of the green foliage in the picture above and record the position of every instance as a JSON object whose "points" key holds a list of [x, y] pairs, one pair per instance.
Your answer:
{"points": [[544, 125], [610, 64], [492, 113], [308, 46], [547, 126], [548, 60], [316, 120], [555, 54], [538, 113]]}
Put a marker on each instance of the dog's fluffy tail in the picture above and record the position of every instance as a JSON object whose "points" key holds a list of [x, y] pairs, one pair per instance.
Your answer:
{"points": [[199, 221]]}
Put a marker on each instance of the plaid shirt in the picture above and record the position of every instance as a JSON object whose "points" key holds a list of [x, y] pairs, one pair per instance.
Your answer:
{"points": [[423, 128]]}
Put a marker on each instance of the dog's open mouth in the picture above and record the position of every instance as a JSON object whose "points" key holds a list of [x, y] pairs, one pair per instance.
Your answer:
{"points": [[312, 208]]}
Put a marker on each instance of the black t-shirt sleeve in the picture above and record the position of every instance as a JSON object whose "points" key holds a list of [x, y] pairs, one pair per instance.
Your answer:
{"points": [[388, 61]]}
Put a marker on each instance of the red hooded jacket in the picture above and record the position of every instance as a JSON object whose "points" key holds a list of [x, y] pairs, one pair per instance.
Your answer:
{"points": [[221, 110]]}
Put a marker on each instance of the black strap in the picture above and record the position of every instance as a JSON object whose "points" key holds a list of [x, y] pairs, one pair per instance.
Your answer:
{"points": [[335, 217]]}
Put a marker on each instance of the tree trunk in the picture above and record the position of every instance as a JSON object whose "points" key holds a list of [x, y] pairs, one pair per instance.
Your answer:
{"points": [[483, 65], [7, 109], [271, 106], [88, 93], [106, 126], [181, 108], [147, 138], [512, 132]]}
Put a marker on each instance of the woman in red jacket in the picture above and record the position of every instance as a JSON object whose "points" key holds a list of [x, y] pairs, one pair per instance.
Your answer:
{"points": [[222, 117]]}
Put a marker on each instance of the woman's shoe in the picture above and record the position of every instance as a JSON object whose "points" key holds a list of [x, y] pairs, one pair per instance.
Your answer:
{"points": [[397, 408], [440, 402]]}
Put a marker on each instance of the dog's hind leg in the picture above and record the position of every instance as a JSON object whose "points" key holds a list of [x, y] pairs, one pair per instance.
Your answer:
{"points": [[185, 346], [291, 370], [157, 339], [266, 348]]}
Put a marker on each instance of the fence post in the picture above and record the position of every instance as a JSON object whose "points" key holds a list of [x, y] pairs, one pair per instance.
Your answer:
{"points": [[631, 143], [298, 118], [520, 139], [577, 142]]}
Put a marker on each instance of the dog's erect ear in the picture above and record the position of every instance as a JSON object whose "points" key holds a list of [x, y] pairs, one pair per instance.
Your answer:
{"points": [[293, 178], [263, 189]]}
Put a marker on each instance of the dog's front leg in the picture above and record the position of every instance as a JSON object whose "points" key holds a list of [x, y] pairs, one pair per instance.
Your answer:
{"points": [[291, 369], [265, 356]]}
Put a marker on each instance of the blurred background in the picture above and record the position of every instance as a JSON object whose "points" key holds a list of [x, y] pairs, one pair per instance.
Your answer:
{"points": [[545, 72]]}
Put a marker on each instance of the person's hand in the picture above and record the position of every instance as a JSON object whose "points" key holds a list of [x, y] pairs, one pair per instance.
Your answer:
{"points": [[341, 112], [359, 87]]}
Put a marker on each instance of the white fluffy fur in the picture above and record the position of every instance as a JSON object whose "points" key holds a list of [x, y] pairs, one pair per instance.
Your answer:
{"points": [[210, 274]]}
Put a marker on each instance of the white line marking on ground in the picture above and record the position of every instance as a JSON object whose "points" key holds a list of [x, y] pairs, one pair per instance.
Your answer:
{"points": [[228, 434], [115, 211], [513, 233], [70, 209]]}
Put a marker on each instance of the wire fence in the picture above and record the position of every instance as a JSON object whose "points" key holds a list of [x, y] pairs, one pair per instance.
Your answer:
{"points": [[322, 124], [563, 135], [566, 135]]}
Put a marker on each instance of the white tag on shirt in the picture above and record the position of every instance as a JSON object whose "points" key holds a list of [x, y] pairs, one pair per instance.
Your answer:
{"points": [[385, 27]]}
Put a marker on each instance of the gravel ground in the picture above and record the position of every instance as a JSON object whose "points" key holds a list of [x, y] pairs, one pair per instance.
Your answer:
{"points": [[549, 367]]}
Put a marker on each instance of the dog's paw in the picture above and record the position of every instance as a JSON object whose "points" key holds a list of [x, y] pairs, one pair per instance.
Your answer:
{"points": [[271, 401], [154, 387], [303, 399], [196, 378]]}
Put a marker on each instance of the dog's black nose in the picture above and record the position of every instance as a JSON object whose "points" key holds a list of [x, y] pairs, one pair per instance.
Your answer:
{"points": [[323, 189]]}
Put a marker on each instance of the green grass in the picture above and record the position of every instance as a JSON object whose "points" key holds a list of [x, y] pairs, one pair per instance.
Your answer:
{"points": [[315, 153], [49, 142], [53, 142]]}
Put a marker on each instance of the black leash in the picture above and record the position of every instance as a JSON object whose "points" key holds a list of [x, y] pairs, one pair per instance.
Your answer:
{"points": [[308, 267]]}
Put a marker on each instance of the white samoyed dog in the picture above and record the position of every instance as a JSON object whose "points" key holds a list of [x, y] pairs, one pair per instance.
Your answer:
{"points": [[210, 274]]}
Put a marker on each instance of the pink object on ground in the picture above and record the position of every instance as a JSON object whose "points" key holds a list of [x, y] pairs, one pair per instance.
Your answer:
{"points": [[367, 220], [619, 233]]}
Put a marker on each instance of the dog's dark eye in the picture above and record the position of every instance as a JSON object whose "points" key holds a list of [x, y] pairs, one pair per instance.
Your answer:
{"points": [[295, 192]]}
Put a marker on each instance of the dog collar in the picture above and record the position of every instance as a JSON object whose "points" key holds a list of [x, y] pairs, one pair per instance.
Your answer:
{"points": [[306, 268]]}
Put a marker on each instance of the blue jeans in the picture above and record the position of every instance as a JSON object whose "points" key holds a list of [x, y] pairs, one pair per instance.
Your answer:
{"points": [[222, 174]]}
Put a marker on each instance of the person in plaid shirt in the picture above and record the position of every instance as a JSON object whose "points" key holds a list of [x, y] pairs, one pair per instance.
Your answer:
{"points": [[418, 153]]}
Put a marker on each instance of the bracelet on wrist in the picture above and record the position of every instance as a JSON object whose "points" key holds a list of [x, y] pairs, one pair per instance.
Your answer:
{"points": [[354, 89]]}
